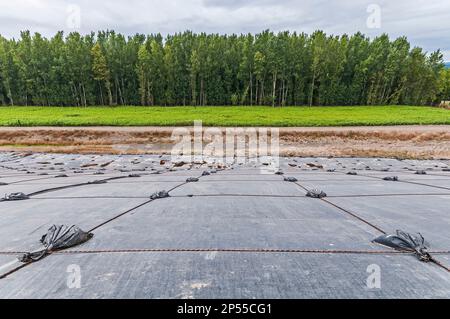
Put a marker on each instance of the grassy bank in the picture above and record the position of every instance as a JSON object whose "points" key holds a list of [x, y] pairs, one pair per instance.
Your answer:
{"points": [[223, 116]]}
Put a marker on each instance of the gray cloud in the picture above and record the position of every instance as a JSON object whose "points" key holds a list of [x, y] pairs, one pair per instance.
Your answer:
{"points": [[425, 23]]}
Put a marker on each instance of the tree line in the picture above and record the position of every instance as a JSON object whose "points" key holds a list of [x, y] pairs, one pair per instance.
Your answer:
{"points": [[280, 69]]}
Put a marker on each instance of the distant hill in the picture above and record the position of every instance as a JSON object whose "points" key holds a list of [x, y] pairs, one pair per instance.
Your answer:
{"points": [[447, 65]]}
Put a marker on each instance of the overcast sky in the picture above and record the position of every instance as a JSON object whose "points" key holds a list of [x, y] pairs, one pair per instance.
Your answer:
{"points": [[426, 23]]}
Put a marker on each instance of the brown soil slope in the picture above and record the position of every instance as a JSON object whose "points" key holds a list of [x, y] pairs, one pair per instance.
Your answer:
{"points": [[422, 142]]}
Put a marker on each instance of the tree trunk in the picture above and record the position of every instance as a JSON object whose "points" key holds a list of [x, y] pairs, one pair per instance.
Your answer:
{"points": [[120, 91], [11, 101], [201, 92], [74, 95], [194, 89], [286, 95], [108, 88], [143, 92], [274, 86], [123, 92], [101, 95], [256, 92], [251, 90], [261, 99], [83, 92], [46, 95], [150, 93], [312, 89]]}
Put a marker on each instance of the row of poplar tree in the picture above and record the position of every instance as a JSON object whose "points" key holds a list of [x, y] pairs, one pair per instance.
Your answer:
{"points": [[210, 69]]}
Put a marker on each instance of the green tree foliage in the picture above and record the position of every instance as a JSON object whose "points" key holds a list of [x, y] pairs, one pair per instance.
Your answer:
{"points": [[210, 69], [445, 85], [101, 71]]}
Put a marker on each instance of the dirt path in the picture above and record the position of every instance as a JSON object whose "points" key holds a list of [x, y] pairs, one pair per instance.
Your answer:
{"points": [[423, 142]]}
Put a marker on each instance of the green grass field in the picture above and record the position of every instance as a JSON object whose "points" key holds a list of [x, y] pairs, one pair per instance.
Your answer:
{"points": [[223, 116]]}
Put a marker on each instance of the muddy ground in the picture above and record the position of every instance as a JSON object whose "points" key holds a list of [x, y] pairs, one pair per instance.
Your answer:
{"points": [[414, 142]]}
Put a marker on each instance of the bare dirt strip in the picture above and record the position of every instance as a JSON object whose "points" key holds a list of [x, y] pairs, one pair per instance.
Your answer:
{"points": [[419, 142]]}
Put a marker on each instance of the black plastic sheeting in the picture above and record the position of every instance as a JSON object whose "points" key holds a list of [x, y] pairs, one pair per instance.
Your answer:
{"points": [[97, 182], [316, 193], [15, 196], [158, 195], [57, 238], [391, 178], [406, 242]]}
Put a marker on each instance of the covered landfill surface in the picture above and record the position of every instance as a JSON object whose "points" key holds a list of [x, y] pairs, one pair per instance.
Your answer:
{"points": [[145, 227]]}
